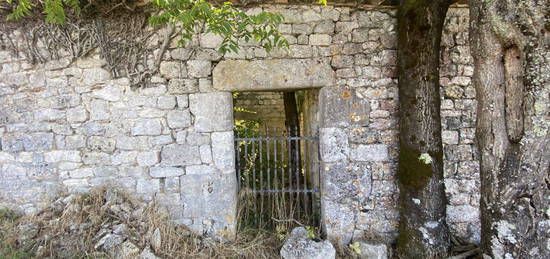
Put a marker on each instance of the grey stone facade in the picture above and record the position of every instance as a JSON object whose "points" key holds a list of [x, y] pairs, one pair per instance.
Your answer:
{"points": [[70, 126]]}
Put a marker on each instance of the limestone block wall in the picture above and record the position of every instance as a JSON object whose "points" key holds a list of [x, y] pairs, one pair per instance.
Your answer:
{"points": [[69, 125], [266, 107]]}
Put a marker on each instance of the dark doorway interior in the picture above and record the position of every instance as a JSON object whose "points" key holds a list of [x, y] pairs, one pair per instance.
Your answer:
{"points": [[277, 159]]}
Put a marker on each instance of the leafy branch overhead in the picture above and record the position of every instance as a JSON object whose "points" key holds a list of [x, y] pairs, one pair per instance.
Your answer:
{"points": [[189, 16]]}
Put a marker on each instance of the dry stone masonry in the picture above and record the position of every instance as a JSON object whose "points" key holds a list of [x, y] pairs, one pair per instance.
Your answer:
{"points": [[69, 125]]}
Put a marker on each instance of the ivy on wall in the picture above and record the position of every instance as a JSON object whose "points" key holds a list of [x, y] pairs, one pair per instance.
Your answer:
{"points": [[121, 29]]}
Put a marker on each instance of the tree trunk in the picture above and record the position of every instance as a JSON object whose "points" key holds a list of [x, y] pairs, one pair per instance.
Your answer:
{"points": [[423, 231], [510, 46]]}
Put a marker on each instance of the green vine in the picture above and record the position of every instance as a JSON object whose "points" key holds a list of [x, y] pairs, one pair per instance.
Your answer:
{"points": [[189, 16]]}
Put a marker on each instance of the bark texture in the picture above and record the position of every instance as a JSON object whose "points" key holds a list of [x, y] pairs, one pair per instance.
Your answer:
{"points": [[423, 232], [510, 46]]}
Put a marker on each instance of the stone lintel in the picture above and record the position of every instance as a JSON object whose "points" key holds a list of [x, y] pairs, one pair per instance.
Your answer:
{"points": [[272, 75]]}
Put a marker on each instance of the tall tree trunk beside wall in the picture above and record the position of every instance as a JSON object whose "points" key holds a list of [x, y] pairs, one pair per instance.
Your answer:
{"points": [[423, 232], [510, 46]]}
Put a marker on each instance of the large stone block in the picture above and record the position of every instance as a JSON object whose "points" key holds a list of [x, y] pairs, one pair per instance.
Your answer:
{"points": [[212, 111], [274, 74], [342, 107], [209, 195], [338, 221], [179, 155], [223, 151], [334, 145]]}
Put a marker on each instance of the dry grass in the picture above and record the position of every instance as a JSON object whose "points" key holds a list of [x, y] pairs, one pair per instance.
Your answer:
{"points": [[70, 228]]}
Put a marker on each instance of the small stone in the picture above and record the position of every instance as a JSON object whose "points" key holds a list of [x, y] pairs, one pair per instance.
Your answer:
{"points": [[373, 251], [183, 86], [147, 254], [62, 156], [147, 127], [101, 144], [320, 39], [178, 155], [172, 69], [128, 250], [183, 101], [166, 102], [148, 186], [179, 119], [156, 240], [197, 139], [374, 152], [48, 114], [298, 245], [99, 110], [76, 115], [210, 40], [110, 93], [199, 68], [449, 137], [108, 242], [149, 158], [93, 129], [326, 27]]}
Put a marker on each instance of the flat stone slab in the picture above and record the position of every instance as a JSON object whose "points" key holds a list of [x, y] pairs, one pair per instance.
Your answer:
{"points": [[274, 74]]}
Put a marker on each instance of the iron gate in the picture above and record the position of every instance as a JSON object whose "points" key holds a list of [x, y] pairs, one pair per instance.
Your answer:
{"points": [[278, 178]]}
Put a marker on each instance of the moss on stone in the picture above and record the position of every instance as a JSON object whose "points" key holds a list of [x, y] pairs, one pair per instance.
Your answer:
{"points": [[413, 173]]}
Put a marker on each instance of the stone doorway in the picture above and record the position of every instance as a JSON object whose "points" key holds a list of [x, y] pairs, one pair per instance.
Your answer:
{"points": [[277, 159]]}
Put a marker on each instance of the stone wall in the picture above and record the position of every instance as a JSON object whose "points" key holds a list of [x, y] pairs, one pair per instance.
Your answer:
{"points": [[266, 107], [68, 125]]}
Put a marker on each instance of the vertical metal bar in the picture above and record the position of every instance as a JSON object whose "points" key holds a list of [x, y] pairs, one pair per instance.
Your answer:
{"points": [[261, 165], [297, 159], [268, 158], [297, 169], [253, 194], [236, 144], [289, 164], [275, 165], [246, 166], [253, 161]]}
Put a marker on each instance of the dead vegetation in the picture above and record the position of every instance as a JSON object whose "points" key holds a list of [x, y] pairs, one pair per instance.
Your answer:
{"points": [[109, 224]]}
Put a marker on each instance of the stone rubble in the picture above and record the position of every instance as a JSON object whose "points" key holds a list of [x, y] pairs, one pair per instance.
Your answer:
{"points": [[298, 246]]}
